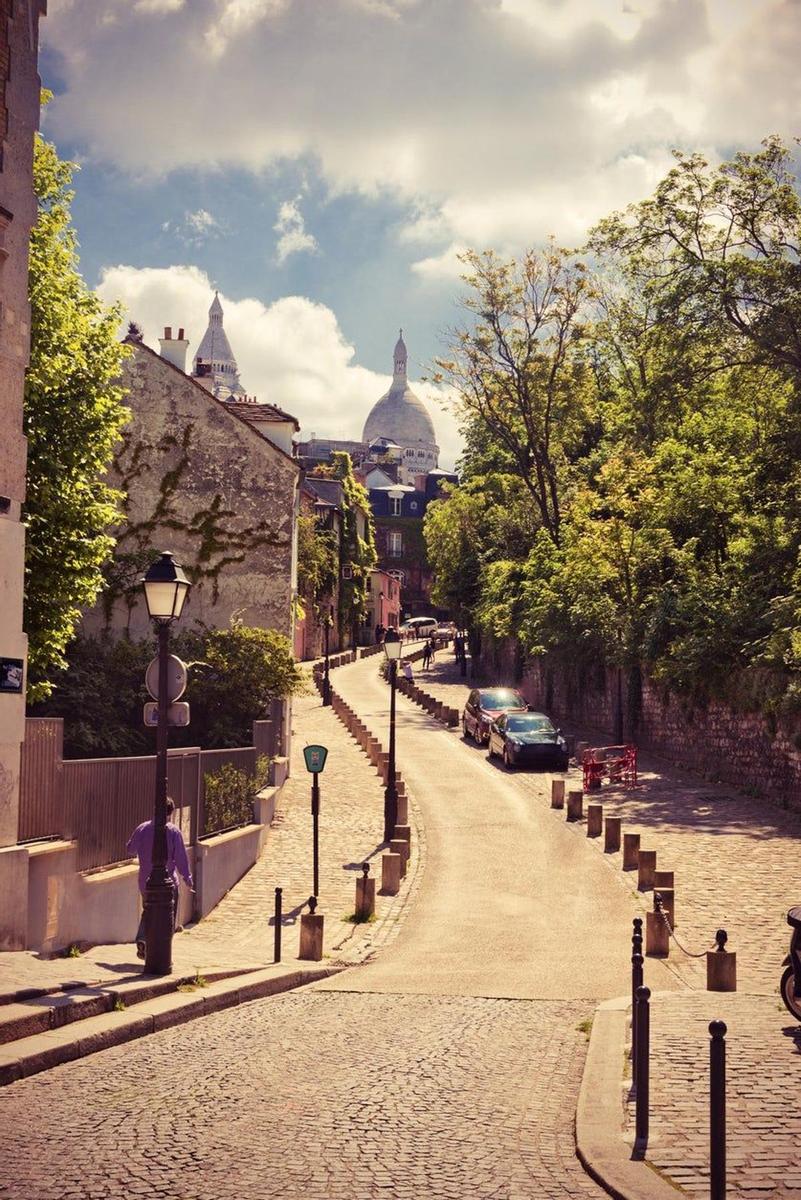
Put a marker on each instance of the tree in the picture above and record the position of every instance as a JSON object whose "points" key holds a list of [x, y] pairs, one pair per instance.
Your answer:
{"points": [[518, 371], [318, 563], [73, 417], [358, 552]]}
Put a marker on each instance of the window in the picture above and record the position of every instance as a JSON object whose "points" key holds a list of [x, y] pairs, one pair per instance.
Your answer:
{"points": [[395, 506], [395, 543]]}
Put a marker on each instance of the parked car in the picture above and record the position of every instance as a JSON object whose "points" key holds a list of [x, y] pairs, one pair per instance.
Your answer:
{"points": [[527, 740], [484, 705], [418, 627]]}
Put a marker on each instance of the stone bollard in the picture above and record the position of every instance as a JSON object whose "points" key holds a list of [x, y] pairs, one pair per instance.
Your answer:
{"points": [[311, 933], [365, 894], [405, 832], [557, 793], [663, 879], [401, 847], [657, 936], [612, 834], [595, 820], [391, 874], [453, 718], [575, 802], [646, 865], [631, 851], [721, 966], [403, 807]]}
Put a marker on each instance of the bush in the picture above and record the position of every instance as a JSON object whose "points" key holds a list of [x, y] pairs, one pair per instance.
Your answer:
{"points": [[233, 675], [230, 793]]}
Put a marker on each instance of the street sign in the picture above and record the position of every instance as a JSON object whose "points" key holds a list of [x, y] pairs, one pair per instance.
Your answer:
{"points": [[177, 715], [315, 757], [176, 678]]}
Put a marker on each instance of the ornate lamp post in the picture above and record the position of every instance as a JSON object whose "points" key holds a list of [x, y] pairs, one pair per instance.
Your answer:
{"points": [[166, 588], [328, 621], [393, 649]]}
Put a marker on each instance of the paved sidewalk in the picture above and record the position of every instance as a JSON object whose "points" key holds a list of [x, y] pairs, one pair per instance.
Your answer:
{"points": [[239, 932]]}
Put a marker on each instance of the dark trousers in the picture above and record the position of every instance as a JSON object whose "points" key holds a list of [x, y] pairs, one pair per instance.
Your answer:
{"points": [[140, 933]]}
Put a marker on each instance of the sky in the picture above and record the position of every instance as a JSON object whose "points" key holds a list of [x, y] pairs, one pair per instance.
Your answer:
{"points": [[324, 162]]}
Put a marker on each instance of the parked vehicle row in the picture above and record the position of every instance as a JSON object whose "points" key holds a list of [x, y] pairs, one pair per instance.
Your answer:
{"points": [[500, 719]]}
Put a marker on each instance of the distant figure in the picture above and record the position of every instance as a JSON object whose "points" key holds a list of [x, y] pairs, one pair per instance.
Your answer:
{"points": [[141, 844], [428, 655], [379, 632], [406, 667]]}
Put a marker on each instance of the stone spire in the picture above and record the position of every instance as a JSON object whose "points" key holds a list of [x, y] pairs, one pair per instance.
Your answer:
{"points": [[215, 366], [400, 359]]}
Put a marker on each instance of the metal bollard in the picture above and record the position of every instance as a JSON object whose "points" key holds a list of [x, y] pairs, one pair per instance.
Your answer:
{"points": [[277, 920], [717, 1111], [637, 961], [642, 1071]]}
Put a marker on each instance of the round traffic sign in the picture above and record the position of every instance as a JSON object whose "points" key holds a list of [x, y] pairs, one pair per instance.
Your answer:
{"points": [[176, 678]]}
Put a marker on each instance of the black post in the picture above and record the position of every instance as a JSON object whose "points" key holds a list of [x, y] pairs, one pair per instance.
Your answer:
{"points": [[326, 677], [391, 790], [159, 894], [277, 921], [636, 983], [717, 1111], [315, 808], [642, 1070]]}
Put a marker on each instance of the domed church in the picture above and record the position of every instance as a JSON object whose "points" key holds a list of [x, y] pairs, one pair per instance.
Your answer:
{"points": [[401, 417]]}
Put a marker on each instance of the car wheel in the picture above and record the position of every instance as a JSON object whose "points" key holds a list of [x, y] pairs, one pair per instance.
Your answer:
{"points": [[787, 988], [563, 764], [465, 731], [507, 762]]}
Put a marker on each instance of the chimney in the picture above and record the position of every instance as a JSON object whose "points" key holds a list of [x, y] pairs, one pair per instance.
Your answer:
{"points": [[174, 349]]}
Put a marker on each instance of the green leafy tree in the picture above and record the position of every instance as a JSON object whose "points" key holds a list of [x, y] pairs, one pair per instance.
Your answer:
{"points": [[358, 552], [74, 413], [318, 563]]}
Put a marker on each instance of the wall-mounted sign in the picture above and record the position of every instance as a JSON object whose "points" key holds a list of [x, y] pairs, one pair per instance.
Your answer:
{"points": [[12, 673], [315, 758]]}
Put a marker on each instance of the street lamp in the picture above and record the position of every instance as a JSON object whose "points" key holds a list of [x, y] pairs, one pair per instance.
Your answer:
{"points": [[328, 621], [393, 649], [166, 588]]}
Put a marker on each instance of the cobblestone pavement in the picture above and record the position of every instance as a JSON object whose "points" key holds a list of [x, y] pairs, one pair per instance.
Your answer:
{"points": [[763, 1121], [239, 932], [313, 1095]]}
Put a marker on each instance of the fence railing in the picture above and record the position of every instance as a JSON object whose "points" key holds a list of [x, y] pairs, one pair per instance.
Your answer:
{"points": [[98, 802]]}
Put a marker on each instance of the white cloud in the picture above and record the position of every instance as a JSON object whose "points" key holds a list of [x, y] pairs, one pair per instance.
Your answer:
{"points": [[194, 228], [158, 6], [294, 237], [291, 353], [502, 121]]}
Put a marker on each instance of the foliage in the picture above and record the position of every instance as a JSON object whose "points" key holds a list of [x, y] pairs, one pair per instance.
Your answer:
{"points": [[229, 794], [233, 674], [358, 552], [318, 562], [73, 417], [631, 489]]}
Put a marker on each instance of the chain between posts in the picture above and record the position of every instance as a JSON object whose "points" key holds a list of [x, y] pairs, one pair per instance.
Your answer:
{"points": [[661, 912]]}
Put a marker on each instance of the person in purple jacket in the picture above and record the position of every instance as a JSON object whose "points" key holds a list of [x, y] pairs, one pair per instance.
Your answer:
{"points": [[141, 844]]}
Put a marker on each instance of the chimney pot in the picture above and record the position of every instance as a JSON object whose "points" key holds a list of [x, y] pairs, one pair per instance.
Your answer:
{"points": [[180, 335], [168, 333]]}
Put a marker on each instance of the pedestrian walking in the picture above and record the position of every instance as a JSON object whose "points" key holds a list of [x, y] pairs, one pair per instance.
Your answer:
{"points": [[140, 843], [428, 654]]}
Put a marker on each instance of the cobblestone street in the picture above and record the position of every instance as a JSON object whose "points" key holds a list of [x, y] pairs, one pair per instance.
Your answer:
{"points": [[309, 1096]]}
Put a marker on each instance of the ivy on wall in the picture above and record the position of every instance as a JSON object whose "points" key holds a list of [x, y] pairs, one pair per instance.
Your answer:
{"points": [[357, 552]]}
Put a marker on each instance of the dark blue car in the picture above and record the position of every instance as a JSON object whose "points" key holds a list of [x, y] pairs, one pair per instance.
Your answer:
{"points": [[528, 740]]}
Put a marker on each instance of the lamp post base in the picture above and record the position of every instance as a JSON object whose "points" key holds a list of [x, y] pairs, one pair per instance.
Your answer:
{"points": [[159, 925]]}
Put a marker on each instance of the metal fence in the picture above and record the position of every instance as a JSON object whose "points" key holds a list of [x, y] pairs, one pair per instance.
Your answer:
{"points": [[98, 802], [41, 815]]}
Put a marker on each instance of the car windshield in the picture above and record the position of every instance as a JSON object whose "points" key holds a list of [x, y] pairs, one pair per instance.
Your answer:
{"points": [[501, 699], [532, 724]]}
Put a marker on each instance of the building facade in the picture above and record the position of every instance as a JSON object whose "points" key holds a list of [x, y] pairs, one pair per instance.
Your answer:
{"points": [[208, 485], [19, 119]]}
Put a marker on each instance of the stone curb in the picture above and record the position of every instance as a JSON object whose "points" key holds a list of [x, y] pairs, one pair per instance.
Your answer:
{"points": [[601, 1144], [43, 1051]]}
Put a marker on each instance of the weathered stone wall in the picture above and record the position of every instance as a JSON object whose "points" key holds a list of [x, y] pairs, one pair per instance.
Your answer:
{"points": [[207, 486], [743, 749]]}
